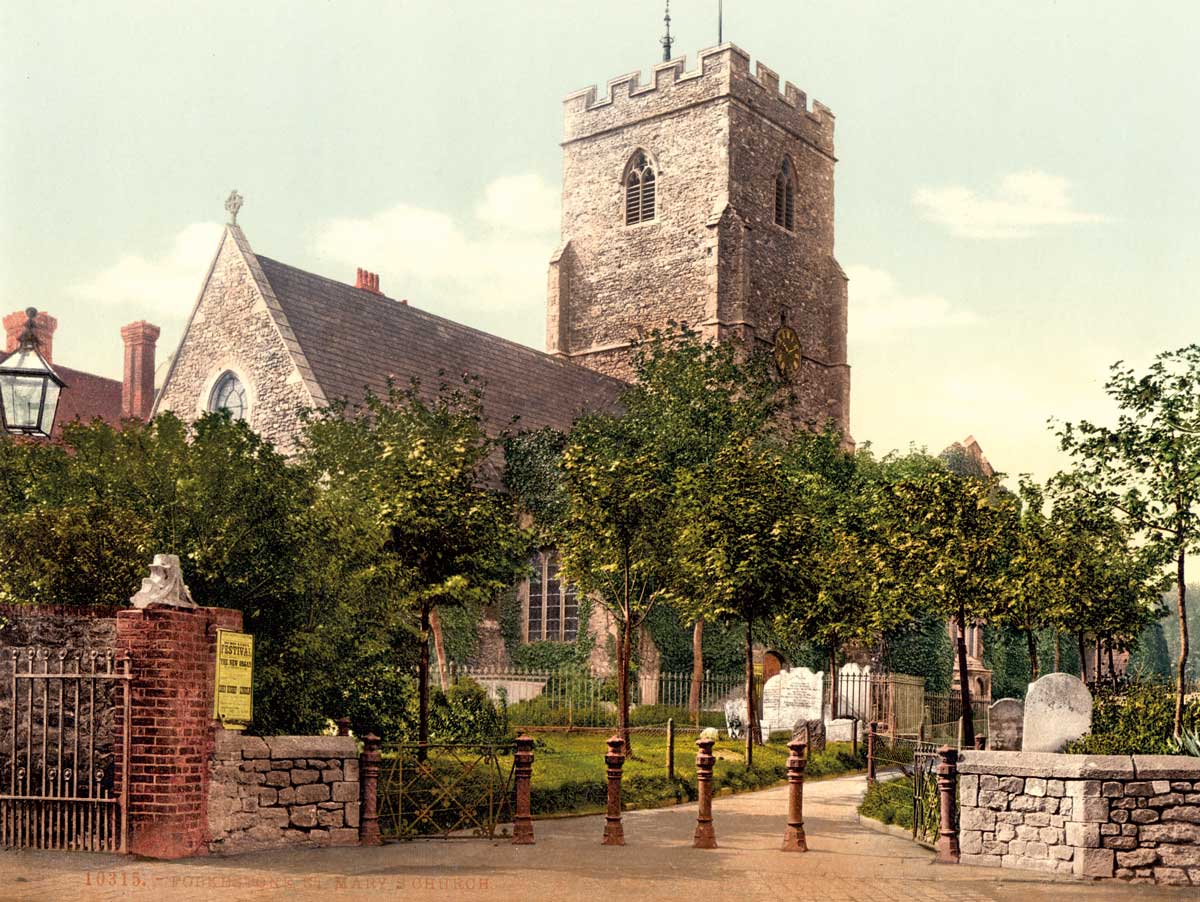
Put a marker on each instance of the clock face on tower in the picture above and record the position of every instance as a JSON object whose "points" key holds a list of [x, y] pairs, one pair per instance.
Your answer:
{"points": [[787, 352]]}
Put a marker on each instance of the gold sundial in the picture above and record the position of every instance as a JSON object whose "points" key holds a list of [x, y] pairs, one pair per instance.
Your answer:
{"points": [[787, 352]]}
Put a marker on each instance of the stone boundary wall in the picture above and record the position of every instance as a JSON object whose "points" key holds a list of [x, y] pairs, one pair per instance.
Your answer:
{"points": [[1111, 816], [277, 791]]}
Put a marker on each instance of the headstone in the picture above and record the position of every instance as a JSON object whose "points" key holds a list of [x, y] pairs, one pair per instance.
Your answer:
{"points": [[1058, 710], [812, 732], [792, 695], [1005, 724], [854, 691], [735, 714]]}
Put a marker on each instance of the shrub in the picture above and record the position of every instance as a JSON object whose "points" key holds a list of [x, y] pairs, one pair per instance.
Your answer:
{"points": [[889, 801], [1136, 719], [465, 713], [657, 716]]}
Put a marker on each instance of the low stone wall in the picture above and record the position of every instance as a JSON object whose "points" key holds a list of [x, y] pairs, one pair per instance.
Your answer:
{"points": [[266, 793], [1135, 818]]}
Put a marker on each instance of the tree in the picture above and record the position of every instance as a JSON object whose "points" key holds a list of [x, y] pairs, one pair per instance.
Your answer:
{"points": [[1147, 467], [949, 541], [418, 465], [746, 543]]}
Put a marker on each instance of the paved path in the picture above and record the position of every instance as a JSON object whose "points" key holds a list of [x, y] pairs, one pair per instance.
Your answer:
{"points": [[846, 863]]}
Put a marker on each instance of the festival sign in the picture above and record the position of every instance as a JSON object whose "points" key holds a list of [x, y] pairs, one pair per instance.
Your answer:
{"points": [[234, 699]]}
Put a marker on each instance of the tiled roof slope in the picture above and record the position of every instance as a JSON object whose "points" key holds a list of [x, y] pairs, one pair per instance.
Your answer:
{"points": [[354, 338], [87, 397]]}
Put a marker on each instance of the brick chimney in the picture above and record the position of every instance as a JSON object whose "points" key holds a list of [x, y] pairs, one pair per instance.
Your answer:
{"points": [[43, 326], [367, 281], [137, 391]]}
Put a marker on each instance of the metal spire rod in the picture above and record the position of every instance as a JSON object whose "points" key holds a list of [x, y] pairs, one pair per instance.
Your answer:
{"points": [[720, 21], [666, 41]]}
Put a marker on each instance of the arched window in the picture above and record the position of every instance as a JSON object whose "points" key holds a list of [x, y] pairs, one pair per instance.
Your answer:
{"points": [[229, 394], [785, 197], [639, 190]]}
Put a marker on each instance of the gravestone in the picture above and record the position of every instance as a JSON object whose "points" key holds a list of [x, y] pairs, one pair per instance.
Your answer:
{"points": [[1058, 710], [1005, 724], [812, 732], [792, 695], [735, 717]]}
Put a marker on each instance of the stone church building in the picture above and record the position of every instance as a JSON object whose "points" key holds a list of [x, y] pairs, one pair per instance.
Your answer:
{"points": [[703, 197]]}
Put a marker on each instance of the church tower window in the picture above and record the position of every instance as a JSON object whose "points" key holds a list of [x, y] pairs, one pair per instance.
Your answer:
{"points": [[229, 395], [639, 190], [553, 604], [785, 197]]}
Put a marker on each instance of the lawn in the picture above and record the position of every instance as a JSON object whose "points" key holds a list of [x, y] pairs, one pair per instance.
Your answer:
{"points": [[569, 770]]}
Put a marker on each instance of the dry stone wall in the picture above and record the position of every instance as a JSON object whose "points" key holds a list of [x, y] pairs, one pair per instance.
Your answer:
{"points": [[268, 793], [1111, 816]]}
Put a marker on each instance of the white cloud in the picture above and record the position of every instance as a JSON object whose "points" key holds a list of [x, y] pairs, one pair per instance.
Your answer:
{"points": [[492, 262], [1022, 204], [167, 283], [879, 310]]}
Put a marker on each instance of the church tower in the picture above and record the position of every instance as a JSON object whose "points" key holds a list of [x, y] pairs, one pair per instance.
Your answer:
{"points": [[704, 197]]}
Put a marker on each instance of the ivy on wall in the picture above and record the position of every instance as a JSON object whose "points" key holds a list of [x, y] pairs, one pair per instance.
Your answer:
{"points": [[923, 649]]}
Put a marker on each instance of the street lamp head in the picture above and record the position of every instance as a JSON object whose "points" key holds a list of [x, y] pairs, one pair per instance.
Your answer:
{"points": [[29, 387]]}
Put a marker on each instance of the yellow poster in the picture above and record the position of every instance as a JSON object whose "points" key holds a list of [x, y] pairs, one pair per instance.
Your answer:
{"points": [[234, 699]]}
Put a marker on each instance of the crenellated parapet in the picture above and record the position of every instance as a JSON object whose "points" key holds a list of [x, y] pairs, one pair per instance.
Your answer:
{"points": [[721, 72]]}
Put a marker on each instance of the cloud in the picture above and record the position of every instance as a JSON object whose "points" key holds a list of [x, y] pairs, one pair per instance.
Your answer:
{"points": [[167, 283], [879, 310], [489, 266], [1022, 204]]}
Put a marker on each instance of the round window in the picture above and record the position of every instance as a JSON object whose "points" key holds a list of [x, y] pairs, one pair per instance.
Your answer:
{"points": [[229, 395]]}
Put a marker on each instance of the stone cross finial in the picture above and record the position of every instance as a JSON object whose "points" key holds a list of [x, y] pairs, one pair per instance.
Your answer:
{"points": [[164, 585], [232, 204]]}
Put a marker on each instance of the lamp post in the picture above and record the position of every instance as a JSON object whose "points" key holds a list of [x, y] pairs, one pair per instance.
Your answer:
{"points": [[29, 387]]}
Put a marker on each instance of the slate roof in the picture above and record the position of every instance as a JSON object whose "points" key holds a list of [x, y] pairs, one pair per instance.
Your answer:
{"points": [[355, 339]]}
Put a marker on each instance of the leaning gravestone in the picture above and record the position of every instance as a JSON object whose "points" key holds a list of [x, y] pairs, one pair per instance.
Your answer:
{"points": [[1005, 723], [812, 732], [792, 695], [1058, 710]]}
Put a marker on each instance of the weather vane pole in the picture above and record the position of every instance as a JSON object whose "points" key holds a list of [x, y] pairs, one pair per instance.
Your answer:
{"points": [[720, 22], [666, 41]]}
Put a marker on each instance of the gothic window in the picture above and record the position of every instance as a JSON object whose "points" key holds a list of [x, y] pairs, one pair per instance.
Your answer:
{"points": [[229, 395], [553, 604], [785, 197], [639, 190]]}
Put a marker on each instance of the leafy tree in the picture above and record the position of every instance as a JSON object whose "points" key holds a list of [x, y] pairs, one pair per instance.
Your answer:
{"points": [[1147, 466], [440, 536], [949, 543]]}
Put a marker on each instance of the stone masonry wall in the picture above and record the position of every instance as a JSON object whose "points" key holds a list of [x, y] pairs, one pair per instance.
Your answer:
{"points": [[1135, 818], [266, 793]]}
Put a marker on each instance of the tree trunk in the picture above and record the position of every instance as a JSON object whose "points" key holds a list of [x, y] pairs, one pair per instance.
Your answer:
{"points": [[1057, 652], [751, 706], [1082, 656], [1181, 677], [1099, 671], [968, 720], [423, 687], [1112, 666], [833, 681], [624, 656], [1031, 642], [697, 670], [435, 623]]}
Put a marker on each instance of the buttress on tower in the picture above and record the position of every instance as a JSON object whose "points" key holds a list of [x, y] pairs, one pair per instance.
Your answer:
{"points": [[705, 198]]}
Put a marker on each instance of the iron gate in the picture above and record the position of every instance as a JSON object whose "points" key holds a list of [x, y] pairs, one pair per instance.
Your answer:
{"points": [[927, 813], [61, 780], [446, 790]]}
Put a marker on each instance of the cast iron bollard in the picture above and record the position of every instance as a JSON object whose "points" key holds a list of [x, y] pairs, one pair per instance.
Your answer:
{"points": [[614, 835], [343, 725], [871, 752], [368, 830], [793, 838], [705, 837], [522, 819], [947, 778]]}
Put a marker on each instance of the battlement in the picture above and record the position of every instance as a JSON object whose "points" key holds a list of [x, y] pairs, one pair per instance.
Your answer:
{"points": [[722, 71]]}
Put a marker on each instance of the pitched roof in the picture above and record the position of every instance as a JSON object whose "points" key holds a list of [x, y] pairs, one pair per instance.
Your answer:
{"points": [[355, 339], [87, 397]]}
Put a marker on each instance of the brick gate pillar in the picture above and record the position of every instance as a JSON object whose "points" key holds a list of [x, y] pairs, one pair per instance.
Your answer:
{"points": [[173, 655]]}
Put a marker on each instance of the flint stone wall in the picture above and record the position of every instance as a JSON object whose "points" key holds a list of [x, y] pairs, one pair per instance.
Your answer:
{"points": [[1135, 817], [282, 791]]}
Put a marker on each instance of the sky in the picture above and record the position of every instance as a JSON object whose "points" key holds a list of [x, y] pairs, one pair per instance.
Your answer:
{"points": [[1018, 200]]}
